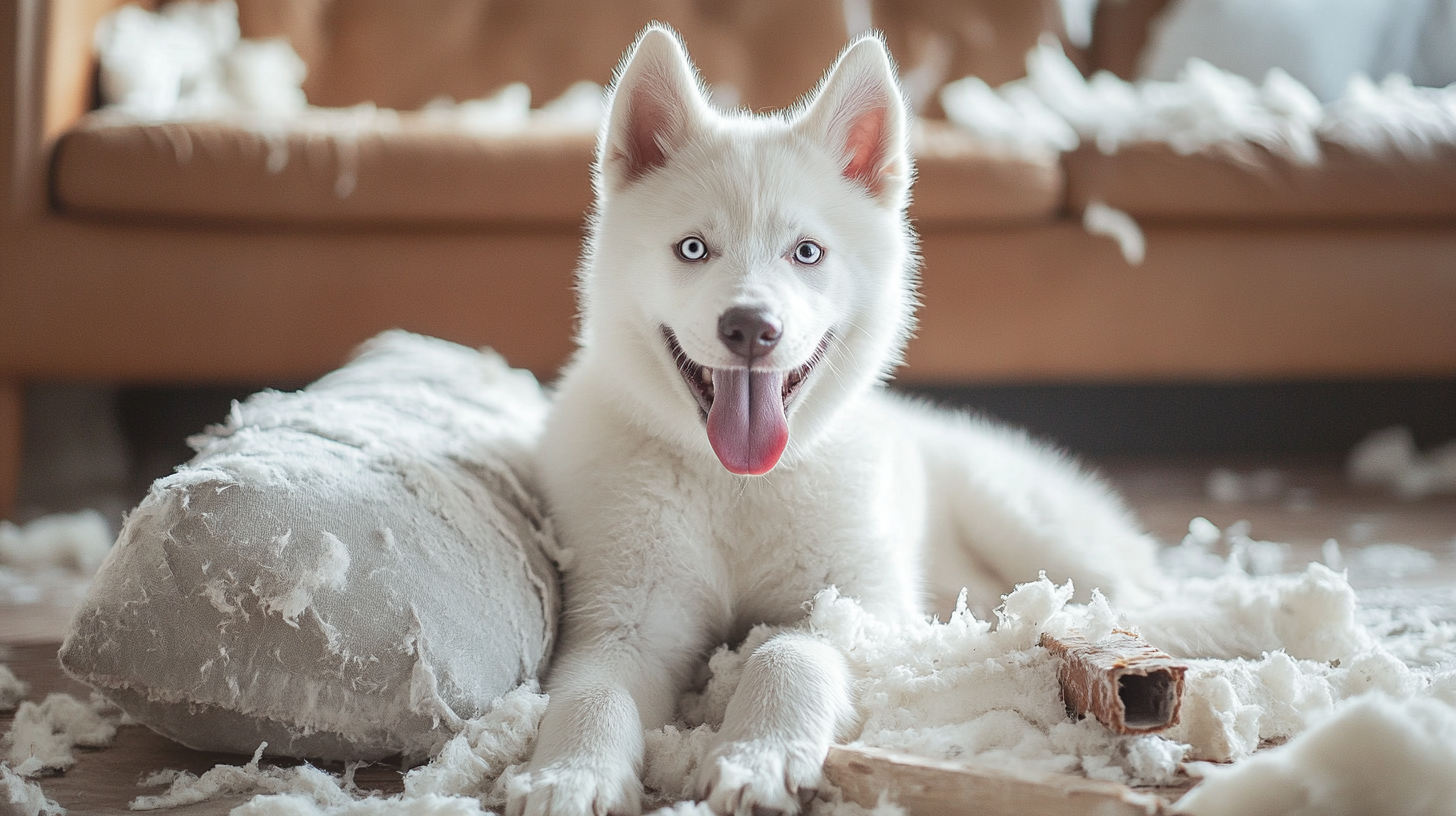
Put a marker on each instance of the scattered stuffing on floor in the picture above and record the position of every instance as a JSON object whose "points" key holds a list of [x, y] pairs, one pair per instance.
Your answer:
{"points": [[76, 541], [1389, 458], [1227, 486], [1374, 754], [44, 734], [12, 689], [1276, 658], [303, 782], [21, 797]]}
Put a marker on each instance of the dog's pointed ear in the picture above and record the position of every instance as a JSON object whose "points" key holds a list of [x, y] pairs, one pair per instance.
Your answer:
{"points": [[653, 102], [859, 115]]}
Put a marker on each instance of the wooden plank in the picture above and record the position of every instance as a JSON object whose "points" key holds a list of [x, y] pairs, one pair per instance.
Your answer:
{"points": [[1122, 681], [928, 787]]}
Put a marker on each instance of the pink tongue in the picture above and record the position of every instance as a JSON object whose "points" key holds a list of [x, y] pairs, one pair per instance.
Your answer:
{"points": [[746, 424]]}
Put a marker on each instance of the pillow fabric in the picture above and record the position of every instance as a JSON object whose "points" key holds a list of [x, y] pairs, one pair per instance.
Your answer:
{"points": [[345, 572]]}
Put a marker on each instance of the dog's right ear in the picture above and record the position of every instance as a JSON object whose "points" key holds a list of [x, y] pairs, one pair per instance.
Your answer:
{"points": [[859, 115], [653, 101]]}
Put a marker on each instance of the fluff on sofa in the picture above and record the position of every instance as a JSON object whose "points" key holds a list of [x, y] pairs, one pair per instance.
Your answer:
{"points": [[345, 572]]}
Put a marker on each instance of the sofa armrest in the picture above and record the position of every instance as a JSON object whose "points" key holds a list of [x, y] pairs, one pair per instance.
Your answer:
{"points": [[48, 71]]}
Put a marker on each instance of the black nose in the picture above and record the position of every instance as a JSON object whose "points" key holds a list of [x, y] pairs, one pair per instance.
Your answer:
{"points": [[749, 333]]}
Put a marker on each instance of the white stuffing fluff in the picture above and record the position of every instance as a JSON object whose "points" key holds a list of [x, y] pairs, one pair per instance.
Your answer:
{"points": [[1013, 116], [12, 689], [294, 805], [963, 689], [1388, 458], [1393, 116], [1205, 107], [1077, 17], [188, 60], [582, 106], [508, 110], [302, 782], [1227, 486], [1295, 659], [1372, 755], [579, 108], [1100, 219], [1201, 108], [77, 541], [1391, 561], [464, 776], [42, 736], [474, 760], [21, 797]]}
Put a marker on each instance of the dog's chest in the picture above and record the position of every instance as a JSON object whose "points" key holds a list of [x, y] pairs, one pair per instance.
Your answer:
{"points": [[783, 539]]}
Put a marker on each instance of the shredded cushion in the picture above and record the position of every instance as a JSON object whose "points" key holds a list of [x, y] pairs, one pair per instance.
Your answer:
{"points": [[345, 572]]}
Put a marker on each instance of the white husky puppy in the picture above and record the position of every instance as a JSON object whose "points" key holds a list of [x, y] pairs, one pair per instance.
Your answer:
{"points": [[722, 447]]}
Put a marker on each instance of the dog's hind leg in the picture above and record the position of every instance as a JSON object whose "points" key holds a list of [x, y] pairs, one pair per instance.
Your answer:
{"points": [[793, 698], [1014, 507]]}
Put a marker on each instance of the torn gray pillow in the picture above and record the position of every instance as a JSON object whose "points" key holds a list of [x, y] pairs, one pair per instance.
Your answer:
{"points": [[345, 572]]}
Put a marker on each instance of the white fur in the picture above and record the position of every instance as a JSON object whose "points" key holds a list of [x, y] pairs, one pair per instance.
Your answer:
{"points": [[672, 553]]}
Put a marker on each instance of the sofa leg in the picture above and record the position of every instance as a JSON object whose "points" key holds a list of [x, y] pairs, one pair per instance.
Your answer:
{"points": [[12, 408]]}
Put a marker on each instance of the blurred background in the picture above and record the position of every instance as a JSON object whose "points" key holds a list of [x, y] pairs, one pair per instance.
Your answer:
{"points": [[1211, 233]]}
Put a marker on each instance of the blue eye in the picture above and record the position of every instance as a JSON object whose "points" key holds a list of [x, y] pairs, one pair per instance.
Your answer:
{"points": [[691, 248], [808, 253]]}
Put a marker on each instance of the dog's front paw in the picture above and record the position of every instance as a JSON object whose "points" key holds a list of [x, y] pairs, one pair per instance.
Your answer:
{"points": [[563, 789], [758, 776]]}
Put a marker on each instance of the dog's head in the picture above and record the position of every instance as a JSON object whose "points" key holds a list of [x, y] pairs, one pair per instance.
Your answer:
{"points": [[748, 274]]}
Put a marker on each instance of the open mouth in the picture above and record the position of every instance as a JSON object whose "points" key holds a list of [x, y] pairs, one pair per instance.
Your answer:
{"points": [[700, 378], [745, 409]]}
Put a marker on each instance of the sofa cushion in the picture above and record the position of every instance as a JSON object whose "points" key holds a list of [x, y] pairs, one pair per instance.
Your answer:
{"points": [[369, 167], [1149, 180], [328, 167], [963, 181]]}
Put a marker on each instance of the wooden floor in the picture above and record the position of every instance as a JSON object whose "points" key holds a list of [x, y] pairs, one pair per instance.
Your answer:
{"points": [[1303, 503]]}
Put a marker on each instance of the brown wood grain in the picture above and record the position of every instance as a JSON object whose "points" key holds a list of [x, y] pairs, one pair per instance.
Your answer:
{"points": [[928, 787]]}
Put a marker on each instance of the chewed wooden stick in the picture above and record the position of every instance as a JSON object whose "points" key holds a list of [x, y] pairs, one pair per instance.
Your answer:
{"points": [[1129, 686]]}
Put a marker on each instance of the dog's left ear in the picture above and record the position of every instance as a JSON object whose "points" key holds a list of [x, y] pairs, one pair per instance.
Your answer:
{"points": [[859, 115]]}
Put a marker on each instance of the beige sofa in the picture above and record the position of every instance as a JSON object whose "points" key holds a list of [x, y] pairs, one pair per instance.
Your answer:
{"points": [[175, 253]]}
